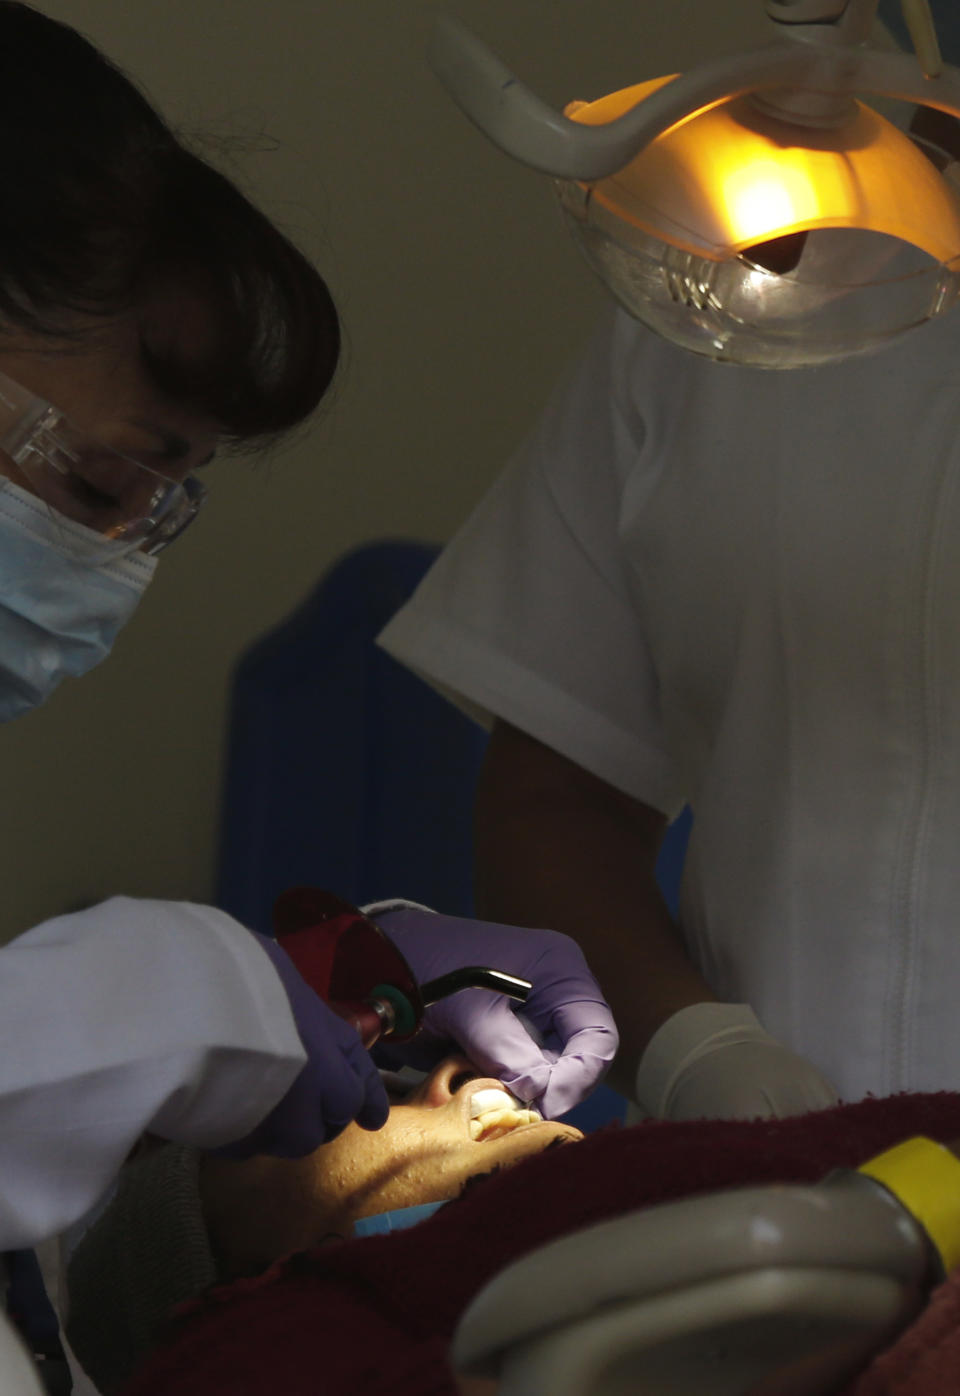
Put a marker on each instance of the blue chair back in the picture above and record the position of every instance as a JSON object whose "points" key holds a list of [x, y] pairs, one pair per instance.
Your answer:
{"points": [[345, 770]]}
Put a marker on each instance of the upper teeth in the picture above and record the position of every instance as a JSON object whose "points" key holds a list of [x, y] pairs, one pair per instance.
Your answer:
{"points": [[493, 1098], [495, 1108]]}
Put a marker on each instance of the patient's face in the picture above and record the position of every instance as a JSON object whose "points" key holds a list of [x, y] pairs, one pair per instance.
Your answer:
{"points": [[264, 1208], [426, 1151]]}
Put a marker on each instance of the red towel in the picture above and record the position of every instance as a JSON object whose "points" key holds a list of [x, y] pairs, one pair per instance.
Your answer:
{"points": [[376, 1315]]}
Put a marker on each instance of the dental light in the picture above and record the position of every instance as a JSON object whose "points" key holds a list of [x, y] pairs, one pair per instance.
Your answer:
{"points": [[753, 209], [356, 968]]}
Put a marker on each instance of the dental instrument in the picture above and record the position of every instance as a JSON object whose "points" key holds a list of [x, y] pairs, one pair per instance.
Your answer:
{"points": [[354, 966], [753, 209]]}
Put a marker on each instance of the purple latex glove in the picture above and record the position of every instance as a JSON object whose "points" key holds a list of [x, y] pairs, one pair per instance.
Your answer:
{"points": [[339, 1082], [577, 1038]]}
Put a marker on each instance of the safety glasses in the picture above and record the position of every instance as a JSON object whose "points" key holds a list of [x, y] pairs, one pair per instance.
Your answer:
{"points": [[130, 505]]}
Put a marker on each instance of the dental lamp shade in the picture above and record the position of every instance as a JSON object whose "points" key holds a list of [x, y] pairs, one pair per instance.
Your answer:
{"points": [[752, 210]]}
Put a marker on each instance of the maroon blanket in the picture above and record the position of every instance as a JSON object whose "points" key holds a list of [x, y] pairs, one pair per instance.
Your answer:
{"points": [[376, 1315]]}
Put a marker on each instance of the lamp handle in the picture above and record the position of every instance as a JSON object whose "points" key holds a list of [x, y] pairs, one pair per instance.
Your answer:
{"points": [[919, 20], [530, 130]]}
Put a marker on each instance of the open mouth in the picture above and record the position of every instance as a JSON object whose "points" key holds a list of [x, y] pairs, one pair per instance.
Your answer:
{"points": [[494, 1112]]}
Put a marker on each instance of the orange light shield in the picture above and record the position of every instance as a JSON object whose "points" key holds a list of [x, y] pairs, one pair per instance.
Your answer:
{"points": [[730, 177]]}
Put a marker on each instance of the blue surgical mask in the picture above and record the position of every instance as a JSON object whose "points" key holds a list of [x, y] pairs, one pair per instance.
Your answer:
{"points": [[62, 602], [397, 1220]]}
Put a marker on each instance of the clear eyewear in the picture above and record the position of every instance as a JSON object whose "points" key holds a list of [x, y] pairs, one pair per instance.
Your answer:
{"points": [[132, 506]]}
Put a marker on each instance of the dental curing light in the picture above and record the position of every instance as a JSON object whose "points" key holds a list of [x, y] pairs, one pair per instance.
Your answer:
{"points": [[754, 209], [356, 968]]}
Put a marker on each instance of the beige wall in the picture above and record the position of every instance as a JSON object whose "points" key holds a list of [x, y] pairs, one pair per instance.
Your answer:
{"points": [[461, 298]]}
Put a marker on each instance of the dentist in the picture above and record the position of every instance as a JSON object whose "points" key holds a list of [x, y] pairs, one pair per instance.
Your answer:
{"points": [[734, 589], [150, 317]]}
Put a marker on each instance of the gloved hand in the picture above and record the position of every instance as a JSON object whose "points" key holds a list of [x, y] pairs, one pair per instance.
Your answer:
{"points": [[715, 1061], [339, 1082], [566, 1010]]}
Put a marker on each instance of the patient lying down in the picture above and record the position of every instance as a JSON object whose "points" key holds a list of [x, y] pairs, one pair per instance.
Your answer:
{"points": [[453, 1126], [182, 1221], [377, 1314]]}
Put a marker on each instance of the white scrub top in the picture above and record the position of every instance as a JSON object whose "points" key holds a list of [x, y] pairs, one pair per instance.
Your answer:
{"points": [[742, 589], [132, 1016]]}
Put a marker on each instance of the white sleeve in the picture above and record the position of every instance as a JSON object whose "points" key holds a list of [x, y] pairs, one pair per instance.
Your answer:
{"points": [[528, 614], [132, 1016]]}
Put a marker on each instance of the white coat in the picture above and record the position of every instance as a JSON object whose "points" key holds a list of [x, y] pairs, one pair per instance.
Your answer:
{"points": [[742, 589], [131, 1017]]}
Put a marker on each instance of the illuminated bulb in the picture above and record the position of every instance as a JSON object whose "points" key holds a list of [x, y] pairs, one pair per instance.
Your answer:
{"points": [[757, 195]]}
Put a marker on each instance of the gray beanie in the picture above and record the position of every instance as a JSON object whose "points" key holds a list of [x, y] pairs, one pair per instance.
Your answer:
{"points": [[147, 1253]]}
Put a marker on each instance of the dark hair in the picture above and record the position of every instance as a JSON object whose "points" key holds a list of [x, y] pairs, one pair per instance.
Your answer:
{"points": [[104, 212]]}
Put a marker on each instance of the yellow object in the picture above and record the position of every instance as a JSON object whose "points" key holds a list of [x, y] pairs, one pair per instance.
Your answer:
{"points": [[729, 176], [925, 1177]]}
